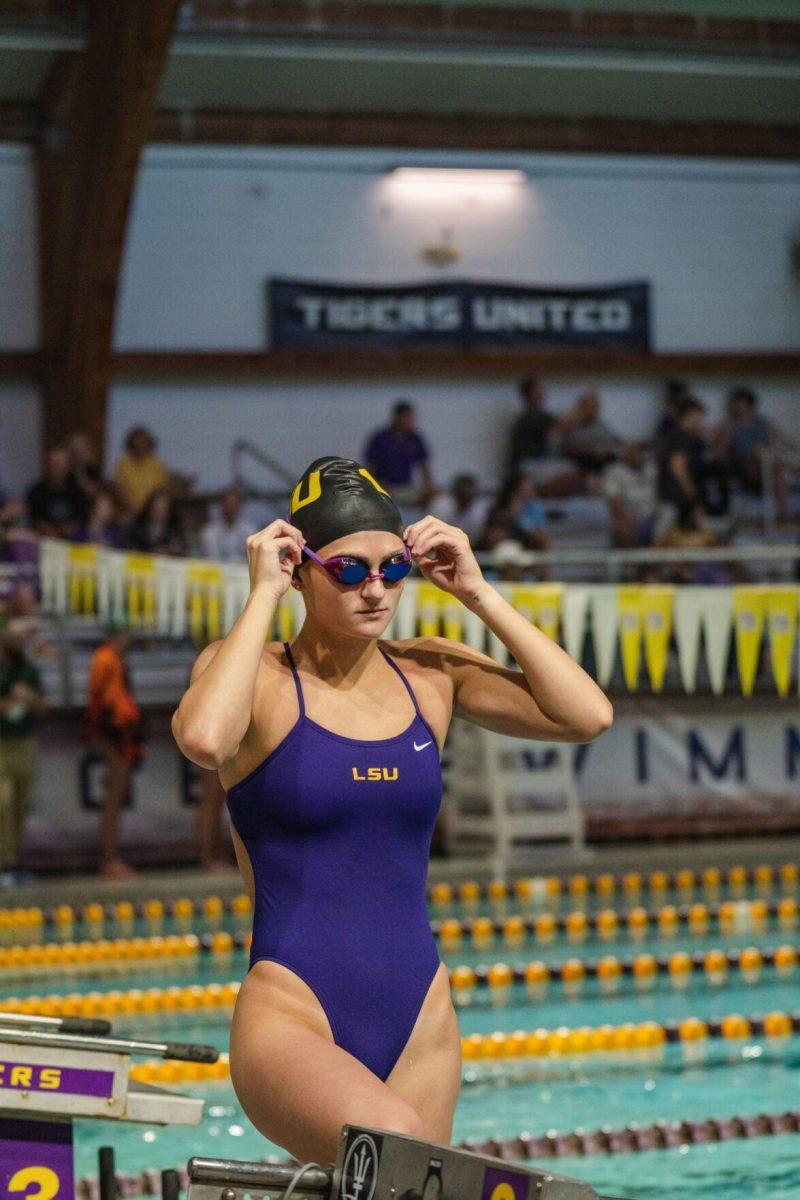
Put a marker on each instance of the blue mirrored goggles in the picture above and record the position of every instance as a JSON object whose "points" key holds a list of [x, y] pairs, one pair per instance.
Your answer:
{"points": [[350, 570]]}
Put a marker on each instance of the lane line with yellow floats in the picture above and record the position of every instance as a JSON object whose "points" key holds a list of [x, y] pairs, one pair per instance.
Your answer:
{"points": [[542, 891], [642, 971], [29, 923], [647, 1039], [119, 956], [140, 1002], [729, 917]]}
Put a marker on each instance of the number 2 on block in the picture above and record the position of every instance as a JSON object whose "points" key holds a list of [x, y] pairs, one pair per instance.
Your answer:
{"points": [[46, 1179]]}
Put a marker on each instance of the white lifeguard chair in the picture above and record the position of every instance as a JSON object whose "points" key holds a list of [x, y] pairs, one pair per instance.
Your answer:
{"points": [[510, 792]]}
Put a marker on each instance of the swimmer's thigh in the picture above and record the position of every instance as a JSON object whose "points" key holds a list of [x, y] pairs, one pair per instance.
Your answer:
{"points": [[299, 1088]]}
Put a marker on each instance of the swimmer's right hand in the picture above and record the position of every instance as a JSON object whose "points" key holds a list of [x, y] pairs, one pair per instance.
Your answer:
{"points": [[272, 555]]}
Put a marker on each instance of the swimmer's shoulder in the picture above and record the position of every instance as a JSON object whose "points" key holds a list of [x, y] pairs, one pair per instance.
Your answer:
{"points": [[434, 655], [273, 683], [437, 662], [273, 659], [275, 712], [426, 663]]}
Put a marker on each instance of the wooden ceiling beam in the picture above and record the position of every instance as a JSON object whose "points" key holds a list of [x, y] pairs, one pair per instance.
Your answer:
{"points": [[494, 24], [33, 12], [212, 366], [468, 131], [94, 118], [475, 131], [445, 364], [682, 30]]}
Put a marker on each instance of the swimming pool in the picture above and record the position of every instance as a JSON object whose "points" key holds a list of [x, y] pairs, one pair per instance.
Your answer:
{"points": [[508, 1096]]}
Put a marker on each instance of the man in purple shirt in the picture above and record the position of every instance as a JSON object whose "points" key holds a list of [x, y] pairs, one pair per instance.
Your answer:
{"points": [[391, 455]]}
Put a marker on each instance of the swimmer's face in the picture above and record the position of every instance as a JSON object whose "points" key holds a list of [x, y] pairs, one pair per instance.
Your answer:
{"points": [[361, 609]]}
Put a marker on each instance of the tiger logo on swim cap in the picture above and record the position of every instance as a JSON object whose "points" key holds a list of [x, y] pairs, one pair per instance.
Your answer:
{"points": [[337, 496]]}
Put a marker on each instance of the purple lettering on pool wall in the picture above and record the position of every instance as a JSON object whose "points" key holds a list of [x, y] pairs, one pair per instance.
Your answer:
{"points": [[504, 1185], [35, 1077], [36, 1159]]}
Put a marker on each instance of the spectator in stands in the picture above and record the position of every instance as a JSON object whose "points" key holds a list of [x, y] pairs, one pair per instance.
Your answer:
{"points": [[156, 529], [56, 505], [22, 705], [585, 437], [518, 515], [532, 432], [11, 515], [630, 487], [24, 620], [84, 466], [394, 453], [139, 472], [224, 538], [18, 542], [11, 510], [675, 392], [192, 518], [102, 528], [463, 507], [681, 463], [115, 731], [689, 531], [747, 441]]}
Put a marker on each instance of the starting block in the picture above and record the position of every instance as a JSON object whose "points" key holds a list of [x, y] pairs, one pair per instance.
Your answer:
{"points": [[53, 1070], [375, 1164]]}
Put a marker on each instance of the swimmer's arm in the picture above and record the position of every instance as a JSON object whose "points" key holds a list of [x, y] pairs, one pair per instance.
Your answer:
{"points": [[216, 710], [551, 697]]}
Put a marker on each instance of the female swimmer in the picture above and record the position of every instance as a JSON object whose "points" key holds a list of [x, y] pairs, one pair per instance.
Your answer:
{"points": [[328, 749]]}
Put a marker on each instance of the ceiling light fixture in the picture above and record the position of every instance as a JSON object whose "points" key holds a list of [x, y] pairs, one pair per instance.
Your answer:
{"points": [[457, 176]]}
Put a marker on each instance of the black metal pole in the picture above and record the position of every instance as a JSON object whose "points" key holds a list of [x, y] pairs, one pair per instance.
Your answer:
{"points": [[170, 1185], [107, 1172]]}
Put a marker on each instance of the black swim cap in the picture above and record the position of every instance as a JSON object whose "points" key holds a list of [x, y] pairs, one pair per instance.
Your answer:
{"points": [[336, 497]]}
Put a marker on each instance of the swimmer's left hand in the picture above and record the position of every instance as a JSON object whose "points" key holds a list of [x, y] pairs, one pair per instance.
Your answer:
{"points": [[454, 569]]}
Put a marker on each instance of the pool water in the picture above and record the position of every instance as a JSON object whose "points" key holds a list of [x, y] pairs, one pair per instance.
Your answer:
{"points": [[507, 1097]]}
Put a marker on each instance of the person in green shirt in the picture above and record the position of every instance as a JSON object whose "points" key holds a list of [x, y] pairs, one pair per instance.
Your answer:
{"points": [[22, 704]]}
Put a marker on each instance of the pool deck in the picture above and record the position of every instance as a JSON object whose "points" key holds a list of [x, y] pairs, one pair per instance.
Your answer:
{"points": [[553, 859]]}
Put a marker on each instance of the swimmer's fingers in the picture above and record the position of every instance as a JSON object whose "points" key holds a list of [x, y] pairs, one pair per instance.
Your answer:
{"points": [[277, 528], [454, 568], [272, 555], [412, 531], [288, 549], [430, 532]]}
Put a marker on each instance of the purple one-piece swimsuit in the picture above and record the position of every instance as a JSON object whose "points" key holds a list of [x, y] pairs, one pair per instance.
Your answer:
{"points": [[338, 832]]}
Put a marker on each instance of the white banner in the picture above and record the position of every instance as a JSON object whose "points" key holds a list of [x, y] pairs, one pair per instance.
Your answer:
{"points": [[709, 770]]}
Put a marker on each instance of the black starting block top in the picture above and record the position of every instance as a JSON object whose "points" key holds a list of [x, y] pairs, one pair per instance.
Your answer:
{"points": [[376, 1164]]}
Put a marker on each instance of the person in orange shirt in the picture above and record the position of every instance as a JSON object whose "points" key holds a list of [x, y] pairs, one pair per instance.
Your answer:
{"points": [[115, 730]]}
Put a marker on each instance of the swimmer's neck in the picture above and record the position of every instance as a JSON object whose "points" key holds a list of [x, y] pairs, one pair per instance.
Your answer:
{"points": [[335, 657]]}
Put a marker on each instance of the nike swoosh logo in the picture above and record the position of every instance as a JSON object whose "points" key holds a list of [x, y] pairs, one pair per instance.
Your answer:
{"points": [[422, 747]]}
